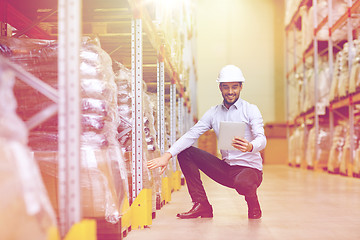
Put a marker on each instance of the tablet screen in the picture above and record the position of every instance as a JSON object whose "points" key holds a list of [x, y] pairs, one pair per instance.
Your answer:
{"points": [[229, 130]]}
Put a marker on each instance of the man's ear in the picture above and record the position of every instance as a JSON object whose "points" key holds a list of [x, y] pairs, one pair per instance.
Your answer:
{"points": [[220, 86]]}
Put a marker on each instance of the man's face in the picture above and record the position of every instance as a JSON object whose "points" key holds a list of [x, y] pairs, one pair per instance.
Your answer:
{"points": [[230, 92]]}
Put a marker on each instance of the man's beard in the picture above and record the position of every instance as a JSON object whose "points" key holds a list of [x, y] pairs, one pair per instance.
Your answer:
{"points": [[230, 103]]}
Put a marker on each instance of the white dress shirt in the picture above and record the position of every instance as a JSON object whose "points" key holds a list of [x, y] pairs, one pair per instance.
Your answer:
{"points": [[240, 111]]}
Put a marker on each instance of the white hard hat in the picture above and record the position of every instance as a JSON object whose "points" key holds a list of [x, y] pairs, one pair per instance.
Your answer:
{"points": [[230, 73]]}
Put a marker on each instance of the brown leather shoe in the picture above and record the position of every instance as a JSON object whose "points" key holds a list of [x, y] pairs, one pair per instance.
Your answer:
{"points": [[254, 213], [198, 210]]}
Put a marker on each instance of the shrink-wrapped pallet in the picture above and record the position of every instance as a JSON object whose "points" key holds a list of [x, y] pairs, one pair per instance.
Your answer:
{"points": [[292, 146], [300, 151], [297, 147], [354, 81], [356, 165], [151, 179], [323, 145], [334, 91], [309, 90], [26, 212], [343, 80], [323, 88], [345, 164], [101, 158], [339, 7], [337, 148]]}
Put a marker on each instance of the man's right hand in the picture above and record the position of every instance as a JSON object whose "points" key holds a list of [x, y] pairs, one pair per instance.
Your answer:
{"points": [[161, 161]]}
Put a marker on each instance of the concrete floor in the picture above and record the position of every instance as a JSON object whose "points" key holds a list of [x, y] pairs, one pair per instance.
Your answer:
{"points": [[296, 204]]}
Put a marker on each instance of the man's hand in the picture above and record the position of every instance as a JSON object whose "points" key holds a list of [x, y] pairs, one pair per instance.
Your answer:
{"points": [[159, 162], [242, 144]]}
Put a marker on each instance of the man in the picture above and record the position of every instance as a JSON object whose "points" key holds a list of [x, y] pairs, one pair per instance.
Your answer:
{"points": [[240, 169]]}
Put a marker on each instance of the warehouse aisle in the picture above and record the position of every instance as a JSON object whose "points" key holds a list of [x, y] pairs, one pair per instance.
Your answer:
{"points": [[296, 204]]}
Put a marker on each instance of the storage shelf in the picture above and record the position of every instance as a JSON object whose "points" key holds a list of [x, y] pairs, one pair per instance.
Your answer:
{"points": [[344, 106], [111, 21]]}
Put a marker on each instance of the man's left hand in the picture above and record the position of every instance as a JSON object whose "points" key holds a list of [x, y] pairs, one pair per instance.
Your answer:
{"points": [[242, 144]]}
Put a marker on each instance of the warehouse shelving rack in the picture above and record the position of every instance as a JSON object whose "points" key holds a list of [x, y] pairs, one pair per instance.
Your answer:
{"points": [[344, 107], [144, 49]]}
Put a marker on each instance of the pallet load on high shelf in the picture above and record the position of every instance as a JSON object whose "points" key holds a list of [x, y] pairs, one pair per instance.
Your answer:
{"points": [[103, 182], [26, 212], [345, 82], [307, 20]]}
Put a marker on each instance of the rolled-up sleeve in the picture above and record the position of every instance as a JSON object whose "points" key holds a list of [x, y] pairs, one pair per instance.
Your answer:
{"points": [[257, 129]]}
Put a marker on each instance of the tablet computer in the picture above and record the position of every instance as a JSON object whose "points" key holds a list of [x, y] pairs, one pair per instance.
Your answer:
{"points": [[227, 132]]}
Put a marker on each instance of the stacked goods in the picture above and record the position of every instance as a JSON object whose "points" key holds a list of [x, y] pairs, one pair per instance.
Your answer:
{"points": [[354, 81], [307, 27], [292, 147], [123, 82], [324, 82], [323, 87], [323, 144], [151, 180], [297, 147], [343, 80], [295, 93], [103, 183], [150, 147], [356, 165], [26, 212], [300, 155], [339, 64], [345, 165], [309, 98], [337, 148]]}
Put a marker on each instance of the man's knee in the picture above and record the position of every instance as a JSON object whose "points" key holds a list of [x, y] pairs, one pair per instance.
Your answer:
{"points": [[245, 187]]}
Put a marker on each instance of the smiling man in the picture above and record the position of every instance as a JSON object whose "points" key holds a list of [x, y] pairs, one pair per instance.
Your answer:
{"points": [[240, 169]]}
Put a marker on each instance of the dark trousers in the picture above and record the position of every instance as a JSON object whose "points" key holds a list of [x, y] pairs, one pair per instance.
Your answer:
{"points": [[244, 180]]}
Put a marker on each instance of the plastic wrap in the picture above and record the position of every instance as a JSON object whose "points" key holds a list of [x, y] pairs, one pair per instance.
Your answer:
{"points": [[297, 147], [343, 80], [309, 90], [345, 167], [151, 179], [324, 83], [26, 212], [123, 82], [354, 81], [356, 165], [103, 183], [323, 89], [300, 151], [339, 8], [334, 91], [337, 148], [102, 187], [323, 144], [295, 95], [291, 159]]}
